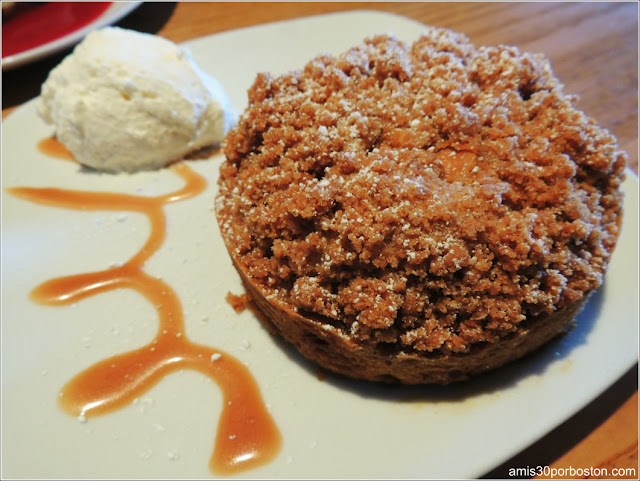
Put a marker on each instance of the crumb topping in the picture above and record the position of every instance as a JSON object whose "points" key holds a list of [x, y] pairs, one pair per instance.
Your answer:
{"points": [[425, 197]]}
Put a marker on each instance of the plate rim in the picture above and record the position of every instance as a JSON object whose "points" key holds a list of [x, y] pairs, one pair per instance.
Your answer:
{"points": [[115, 12]]}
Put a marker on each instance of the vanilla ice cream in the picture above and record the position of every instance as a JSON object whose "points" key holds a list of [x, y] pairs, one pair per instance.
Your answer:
{"points": [[126, 101]]}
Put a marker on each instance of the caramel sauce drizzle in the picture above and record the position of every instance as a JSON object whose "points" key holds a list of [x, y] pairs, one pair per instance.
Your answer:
{"points": [[52, 147], [247, 436]]}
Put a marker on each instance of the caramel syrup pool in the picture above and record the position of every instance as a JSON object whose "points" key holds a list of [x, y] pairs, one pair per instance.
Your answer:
{"points": [[247, 436]]}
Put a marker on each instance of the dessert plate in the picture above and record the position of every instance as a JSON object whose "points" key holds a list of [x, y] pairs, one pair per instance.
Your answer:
{"points": [[331, 428], [75, 26]]}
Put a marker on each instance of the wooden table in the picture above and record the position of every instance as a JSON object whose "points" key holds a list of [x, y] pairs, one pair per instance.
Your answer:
{"points": [[593, 49]]}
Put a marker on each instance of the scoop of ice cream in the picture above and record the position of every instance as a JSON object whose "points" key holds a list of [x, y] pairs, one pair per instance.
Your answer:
{"points": [[127, 101]]}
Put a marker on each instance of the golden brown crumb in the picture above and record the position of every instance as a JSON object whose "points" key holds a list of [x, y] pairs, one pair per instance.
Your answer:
{"points": [[238, 302], [427, 197]]}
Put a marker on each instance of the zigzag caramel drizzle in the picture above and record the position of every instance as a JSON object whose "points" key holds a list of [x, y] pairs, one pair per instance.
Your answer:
{"points": [[246, 435]]}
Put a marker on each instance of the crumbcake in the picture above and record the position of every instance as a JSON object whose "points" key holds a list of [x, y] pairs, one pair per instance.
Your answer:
{"points": [[420, 200]]}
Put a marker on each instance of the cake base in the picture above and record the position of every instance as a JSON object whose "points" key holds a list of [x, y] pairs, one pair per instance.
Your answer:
{"points": [[336, 351]]}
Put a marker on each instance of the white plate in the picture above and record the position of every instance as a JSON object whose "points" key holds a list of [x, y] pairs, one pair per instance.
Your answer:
{"points": [[115, 12], [331, 428]]}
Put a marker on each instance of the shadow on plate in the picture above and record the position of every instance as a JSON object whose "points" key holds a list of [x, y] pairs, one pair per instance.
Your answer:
{"points": [[534, 364]]}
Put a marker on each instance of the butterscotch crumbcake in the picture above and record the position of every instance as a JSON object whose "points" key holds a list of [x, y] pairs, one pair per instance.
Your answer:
{"points": [[415, 213]]}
